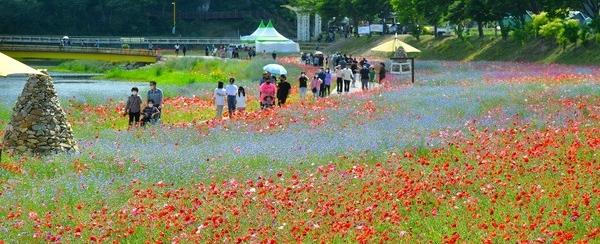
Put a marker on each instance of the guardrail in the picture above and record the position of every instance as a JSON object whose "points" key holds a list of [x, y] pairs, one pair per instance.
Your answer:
{"points": [[71, 49], [96, 40]]}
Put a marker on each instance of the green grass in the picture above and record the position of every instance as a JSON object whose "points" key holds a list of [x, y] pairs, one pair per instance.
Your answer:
{"points": [[355, 46], [186, 71], [85, 66], [495, 49], [474, 49], [79, 56]]}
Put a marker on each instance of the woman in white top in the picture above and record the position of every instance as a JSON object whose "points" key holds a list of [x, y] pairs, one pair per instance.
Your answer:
{"points": [[219, 96], [241, 99]]}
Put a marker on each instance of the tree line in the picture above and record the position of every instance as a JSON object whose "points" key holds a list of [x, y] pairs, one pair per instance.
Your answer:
{"points": [[509, 15], [120, 17]]}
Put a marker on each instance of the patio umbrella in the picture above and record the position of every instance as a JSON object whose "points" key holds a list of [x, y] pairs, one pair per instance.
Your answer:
{"points": [[275, 69], [393, 45], [9, 66], [318, 53]]}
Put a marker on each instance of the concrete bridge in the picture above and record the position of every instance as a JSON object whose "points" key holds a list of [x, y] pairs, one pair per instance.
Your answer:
{"points": [[80, 53], [103, 41]]}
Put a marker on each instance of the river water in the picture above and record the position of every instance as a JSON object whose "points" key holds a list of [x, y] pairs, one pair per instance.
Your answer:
{"points": [[80, 87]]}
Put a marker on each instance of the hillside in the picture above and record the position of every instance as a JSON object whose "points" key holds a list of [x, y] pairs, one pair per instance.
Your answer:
{"points": [[474, 49], [224, 18]]}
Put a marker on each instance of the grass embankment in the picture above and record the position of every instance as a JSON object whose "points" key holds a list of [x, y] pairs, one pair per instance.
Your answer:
{"points": [[79, 56], [475, 49], [496, 49], [180, 71]]}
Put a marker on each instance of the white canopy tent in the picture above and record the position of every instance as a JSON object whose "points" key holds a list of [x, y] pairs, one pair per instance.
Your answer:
{"points": [[268, 39]]}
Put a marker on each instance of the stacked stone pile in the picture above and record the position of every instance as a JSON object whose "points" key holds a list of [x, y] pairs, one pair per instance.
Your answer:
{"points": [[39, 125]]}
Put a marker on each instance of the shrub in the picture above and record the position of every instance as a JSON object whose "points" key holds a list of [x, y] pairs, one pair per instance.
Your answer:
{"points": [[551, 29], [428, 30], [537, 22], [569, 32], [584, 33], [521, 35], [595, 25]]}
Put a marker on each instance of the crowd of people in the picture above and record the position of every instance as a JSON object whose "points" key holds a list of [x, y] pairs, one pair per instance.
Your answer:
{"points": [[273, 90], [232, 51]]}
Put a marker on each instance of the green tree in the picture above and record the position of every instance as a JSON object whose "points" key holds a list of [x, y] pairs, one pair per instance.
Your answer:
{"points": [[456, 15], [406, 12], [432, 11]]}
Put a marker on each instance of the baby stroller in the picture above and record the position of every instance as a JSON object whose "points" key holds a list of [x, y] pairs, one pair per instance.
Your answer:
{"points": [[154, 119], [267, 102]]}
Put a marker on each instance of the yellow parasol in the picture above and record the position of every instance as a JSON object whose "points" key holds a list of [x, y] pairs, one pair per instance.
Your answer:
{"points": [[9, 66], [393, 45]]}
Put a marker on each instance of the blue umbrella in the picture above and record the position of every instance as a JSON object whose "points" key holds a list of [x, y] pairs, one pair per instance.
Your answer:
{"points": [[275, 69]]}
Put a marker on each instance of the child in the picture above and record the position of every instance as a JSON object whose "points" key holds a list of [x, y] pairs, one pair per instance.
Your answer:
{"points": [[219, 96], [149, 113], [133, 107], [315, 86], [241, 99]]}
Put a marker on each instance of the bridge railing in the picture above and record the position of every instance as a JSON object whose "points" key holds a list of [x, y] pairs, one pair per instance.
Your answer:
{"points": [[94, 40], [72, 49]]}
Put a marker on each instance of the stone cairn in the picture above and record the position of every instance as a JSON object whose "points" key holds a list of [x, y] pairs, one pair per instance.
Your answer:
{"points": [[39, 125]]}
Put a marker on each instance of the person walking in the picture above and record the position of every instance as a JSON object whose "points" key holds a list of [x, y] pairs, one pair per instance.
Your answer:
{"points": [[283, 90], [219, 96], [382, 72], [348, 77], [322, 76], [268, 91], [339, 80], [364, 77], [206, 51], [355, 73], [184, 50], [315, 86], [328, 78], [177, 49], [231, 90], [372, 75], [241, 99], [303, 85], [274, 55], [133, 106]]}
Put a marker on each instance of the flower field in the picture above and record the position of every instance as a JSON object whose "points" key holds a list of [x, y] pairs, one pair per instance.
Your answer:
{"points": [[473, 152]]}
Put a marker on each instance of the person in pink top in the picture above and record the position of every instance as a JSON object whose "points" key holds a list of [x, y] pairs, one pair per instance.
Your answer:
{"points": [[267, 94], [315, 86]]}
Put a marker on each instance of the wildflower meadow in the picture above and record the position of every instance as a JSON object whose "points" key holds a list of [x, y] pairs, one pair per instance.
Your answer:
{"points": [[475, 152]]}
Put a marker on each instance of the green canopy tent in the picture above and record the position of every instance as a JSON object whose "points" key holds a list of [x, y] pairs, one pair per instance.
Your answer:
{"points": [[270, 40], [252, 37]]}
